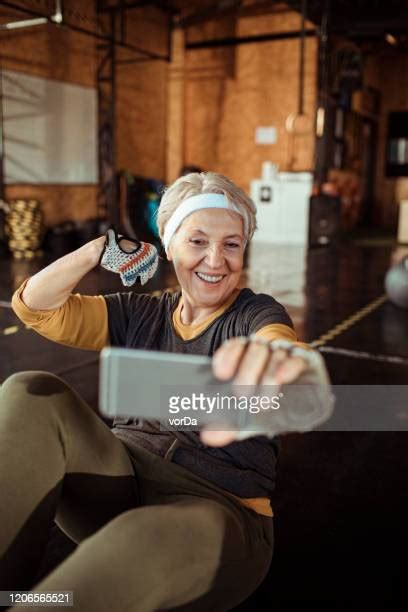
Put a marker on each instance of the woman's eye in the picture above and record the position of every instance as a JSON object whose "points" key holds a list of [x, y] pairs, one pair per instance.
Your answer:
{"points": [[232, 245], [197, 241]]}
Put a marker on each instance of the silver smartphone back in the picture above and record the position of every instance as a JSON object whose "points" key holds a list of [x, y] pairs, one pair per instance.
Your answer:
{"points": [[131, 380]]}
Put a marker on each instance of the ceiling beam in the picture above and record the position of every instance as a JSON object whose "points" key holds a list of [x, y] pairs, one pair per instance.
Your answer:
{"points": [[243, 40]]}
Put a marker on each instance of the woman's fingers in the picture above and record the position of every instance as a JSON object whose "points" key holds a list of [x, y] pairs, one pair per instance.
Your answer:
{"points": [[252, 364], [283, 371], [227, 358], [248, 363], [241, 359], [277, 358]]}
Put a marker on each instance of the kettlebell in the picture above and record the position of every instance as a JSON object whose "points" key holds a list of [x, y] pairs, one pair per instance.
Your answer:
{"points": [[396, 283]]}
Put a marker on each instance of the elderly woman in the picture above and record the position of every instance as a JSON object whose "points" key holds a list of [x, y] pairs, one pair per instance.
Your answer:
{"points": [[164, 519]]}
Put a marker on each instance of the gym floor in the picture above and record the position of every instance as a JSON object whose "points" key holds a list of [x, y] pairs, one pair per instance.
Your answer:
{"points": [[341, 499]]}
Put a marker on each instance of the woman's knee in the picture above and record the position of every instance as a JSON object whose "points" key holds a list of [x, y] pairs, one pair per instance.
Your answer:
{"points": [[20, 391], [34, 383]]}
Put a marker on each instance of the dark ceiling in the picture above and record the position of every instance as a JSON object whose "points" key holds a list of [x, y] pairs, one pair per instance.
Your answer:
{"points": [[359, 17], [350, 16], [355, 17], [369, 23], [359, 20], [363, 21]]}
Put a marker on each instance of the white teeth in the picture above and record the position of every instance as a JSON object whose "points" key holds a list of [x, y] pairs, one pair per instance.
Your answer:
{"points": [[209, 279]]}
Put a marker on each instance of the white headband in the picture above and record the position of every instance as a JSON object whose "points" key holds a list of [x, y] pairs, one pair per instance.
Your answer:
{"points": [[192, 204]]}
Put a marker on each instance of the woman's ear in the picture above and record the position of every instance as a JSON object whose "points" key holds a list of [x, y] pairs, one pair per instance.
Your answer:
{"points": [[168, 253]]}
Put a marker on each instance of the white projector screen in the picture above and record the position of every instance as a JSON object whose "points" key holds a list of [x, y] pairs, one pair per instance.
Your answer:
{"points": [[50, 131]]}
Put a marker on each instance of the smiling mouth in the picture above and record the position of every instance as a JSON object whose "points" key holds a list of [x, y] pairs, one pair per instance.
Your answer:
{"points": [[212, 279]]}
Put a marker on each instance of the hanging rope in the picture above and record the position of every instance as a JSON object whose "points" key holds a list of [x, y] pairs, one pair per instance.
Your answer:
{"points": [[299, 123]]}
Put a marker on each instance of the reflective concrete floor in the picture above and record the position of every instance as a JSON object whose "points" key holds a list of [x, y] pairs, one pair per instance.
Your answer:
{"points": [[341, 498]]}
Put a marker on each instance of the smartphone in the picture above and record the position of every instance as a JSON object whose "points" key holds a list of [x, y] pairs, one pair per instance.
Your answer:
{"points": [[136, 383], [181, 392]]}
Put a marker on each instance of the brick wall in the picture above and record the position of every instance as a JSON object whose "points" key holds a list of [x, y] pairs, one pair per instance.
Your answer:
{"points": [[61, 54], [230, 91]]}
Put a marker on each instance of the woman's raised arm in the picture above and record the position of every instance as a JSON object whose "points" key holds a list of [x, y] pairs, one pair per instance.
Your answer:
{"points": [[51, 287]]}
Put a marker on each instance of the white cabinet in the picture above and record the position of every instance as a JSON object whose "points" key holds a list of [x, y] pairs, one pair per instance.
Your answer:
{"points": [[282, 203]]}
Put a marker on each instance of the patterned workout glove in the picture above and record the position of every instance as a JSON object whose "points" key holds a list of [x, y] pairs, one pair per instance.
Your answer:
{"points": [[141, 262], [305, 404]]}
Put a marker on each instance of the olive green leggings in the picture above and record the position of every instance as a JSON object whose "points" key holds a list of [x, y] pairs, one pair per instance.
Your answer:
{"points": [[151, 534]]}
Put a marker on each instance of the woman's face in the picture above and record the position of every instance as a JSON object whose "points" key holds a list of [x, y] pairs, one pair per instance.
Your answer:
{"points": [[207, 253]]}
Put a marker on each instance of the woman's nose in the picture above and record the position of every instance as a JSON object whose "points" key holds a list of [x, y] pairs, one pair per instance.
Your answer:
{"points": [[215, 256]]}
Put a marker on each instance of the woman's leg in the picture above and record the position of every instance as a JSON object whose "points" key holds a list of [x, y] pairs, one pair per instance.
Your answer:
{"points": [[194, 553], [57, 458], [183, 549], [189, 546]]}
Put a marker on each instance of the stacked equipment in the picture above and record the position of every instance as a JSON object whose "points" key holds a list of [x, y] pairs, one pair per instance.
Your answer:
{"points": [[24, 228]]}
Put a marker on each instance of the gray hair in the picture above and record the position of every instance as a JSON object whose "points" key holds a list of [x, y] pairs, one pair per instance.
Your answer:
{"points": [[196, 183]]}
